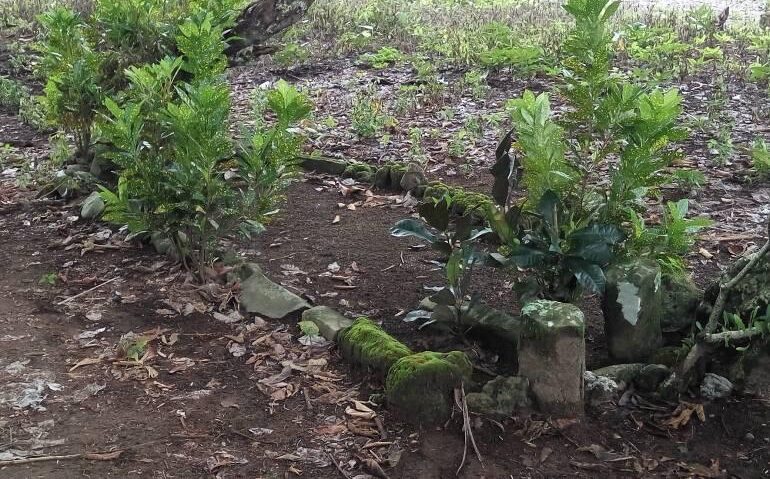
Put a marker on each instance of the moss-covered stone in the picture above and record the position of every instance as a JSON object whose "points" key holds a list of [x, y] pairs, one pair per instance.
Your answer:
{"points": [[368, 346], [462, 200], [413, 178], [419, 387], [680, 303], [396, 171], [651, 376], [331, 166], [669, 355], [382, 177], [625, 373], [360, 172], [501, 397]]}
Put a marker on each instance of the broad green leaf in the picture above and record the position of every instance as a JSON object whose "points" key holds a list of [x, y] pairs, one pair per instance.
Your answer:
{"points": [[412, 227]]}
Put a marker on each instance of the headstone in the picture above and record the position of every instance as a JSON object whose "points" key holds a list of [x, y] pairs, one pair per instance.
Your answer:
{"points": [[632, 306], [552, 355], [93, 206]]}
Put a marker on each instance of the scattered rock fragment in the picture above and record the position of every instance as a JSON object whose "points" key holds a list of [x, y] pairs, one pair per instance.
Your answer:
{"points": [[715, 387]]}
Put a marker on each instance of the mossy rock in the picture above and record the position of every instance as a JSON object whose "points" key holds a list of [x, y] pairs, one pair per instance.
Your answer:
{"points": [[680, 303], [419, 387], [397, 171], [669, 356], [368, 346], [501, 397], [323, 165], [382, 177], [462, 200], [360, 172], [626, 373]]}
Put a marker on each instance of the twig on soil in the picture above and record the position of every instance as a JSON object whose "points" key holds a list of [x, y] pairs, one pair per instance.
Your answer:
{"points": [[92, 456], [308, 402], [707, 338], [462, 404], [339, 468], [71, 298]]}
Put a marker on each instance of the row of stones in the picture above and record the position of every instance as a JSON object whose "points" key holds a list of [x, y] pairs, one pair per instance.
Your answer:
{"points": [[398, 176], [419, 386]]}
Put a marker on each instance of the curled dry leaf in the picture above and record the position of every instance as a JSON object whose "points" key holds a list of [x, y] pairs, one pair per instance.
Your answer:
{"points": [[221, 459], [683, 413]]}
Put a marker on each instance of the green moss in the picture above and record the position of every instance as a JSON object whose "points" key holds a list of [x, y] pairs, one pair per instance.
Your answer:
{"points": [[462, 199], [360, 172], [419, 387], [382, 177], [367, 345]]}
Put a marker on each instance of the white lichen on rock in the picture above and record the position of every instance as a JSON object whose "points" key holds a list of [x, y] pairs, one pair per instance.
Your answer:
{"points": [[629, 301]]}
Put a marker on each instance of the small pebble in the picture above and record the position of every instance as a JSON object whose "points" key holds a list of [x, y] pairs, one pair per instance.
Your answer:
{"points": [[749, 436]]}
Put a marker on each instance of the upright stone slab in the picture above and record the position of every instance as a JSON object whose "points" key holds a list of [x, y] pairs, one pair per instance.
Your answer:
{"points": [[633, 306], [552, 355]]}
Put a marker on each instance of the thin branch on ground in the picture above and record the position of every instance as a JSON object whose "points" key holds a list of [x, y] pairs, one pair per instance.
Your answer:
{"points": [[71, 298], [707, 339], [462, 404]]}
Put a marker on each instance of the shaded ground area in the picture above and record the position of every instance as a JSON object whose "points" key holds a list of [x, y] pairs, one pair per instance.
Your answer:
{"points": [[209, 407]]}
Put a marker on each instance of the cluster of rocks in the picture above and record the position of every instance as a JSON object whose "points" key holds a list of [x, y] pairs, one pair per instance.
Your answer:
{"points": [[419, 386]]}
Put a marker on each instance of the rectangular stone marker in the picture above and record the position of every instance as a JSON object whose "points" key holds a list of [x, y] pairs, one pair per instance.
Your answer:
{"points": [[552, 356]]}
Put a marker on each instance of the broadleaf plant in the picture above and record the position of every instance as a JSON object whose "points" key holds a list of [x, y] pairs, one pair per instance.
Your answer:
{"points": [[456, 239]]}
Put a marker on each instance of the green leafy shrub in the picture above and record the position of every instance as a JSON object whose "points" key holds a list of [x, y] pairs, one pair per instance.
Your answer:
{"points": [[586, 175], [291, 54], [456, 240], [760, 156], [367, 115], [382, 58], [565, 256], [85, 59], [73, 93], [523, 59], [181, 174], [12, 93], [669, 242]]}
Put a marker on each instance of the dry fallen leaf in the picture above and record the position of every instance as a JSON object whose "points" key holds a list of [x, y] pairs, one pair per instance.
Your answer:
{"points": [[604, 455], [701, 471], [85, 362], [683, 413]]}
